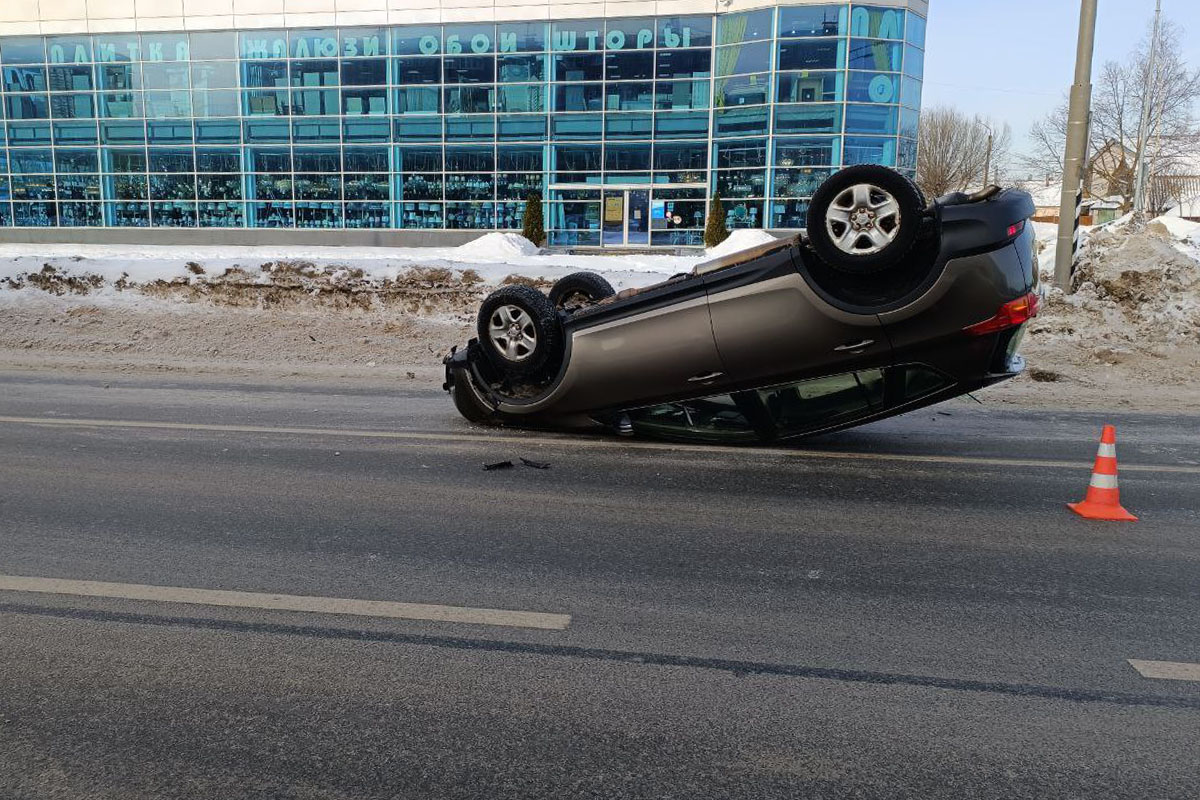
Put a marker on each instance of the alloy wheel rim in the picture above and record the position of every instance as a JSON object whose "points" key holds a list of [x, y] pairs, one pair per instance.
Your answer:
{"points": [[513, 333], [863, 220]]}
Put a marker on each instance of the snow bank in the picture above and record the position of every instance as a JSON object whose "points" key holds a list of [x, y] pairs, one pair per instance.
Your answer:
{"points": [[497, 246], [741, 239], [1174, 227]]}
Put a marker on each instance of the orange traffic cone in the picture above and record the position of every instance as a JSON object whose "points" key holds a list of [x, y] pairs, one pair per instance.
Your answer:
{"points": [[1103, 499]]}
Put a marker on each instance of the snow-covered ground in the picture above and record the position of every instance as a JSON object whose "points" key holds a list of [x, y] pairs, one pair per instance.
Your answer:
{"points": [[492, 257]]}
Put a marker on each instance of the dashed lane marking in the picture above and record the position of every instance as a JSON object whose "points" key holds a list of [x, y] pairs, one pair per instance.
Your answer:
{"points": [[582, 442], [1166, 670], [287, 602]]}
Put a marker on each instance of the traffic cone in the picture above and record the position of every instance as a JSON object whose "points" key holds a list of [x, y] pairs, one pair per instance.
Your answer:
{"points": [[1103, 499]]}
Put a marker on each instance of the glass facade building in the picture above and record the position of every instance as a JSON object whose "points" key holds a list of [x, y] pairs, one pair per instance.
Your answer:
{"points": [[627, 126]]}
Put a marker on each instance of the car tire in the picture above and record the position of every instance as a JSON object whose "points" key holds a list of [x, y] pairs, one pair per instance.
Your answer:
{"points": [[865, 219], [468, 403], [519, 331], [579, 290]]}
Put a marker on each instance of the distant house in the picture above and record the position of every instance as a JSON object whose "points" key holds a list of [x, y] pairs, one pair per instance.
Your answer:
{"points": [[1095, 211]]}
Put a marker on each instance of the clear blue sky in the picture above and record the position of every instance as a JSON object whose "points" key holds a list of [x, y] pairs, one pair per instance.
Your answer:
{"points": [[1015, 59]]}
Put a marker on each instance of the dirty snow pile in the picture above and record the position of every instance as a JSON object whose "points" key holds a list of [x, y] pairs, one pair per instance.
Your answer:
{"points": [[741, 239], [1136, 305]]}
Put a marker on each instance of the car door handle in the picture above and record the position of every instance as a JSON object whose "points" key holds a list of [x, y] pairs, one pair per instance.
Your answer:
{"points": [[704, 378], [865, 343]]}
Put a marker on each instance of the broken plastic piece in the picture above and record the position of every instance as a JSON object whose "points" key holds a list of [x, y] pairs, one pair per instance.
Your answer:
{"points": [[535, 464], [498, 465]]}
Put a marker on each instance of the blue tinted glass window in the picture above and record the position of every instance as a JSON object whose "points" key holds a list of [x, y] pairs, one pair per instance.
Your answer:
{"points": [[469, 69], [31, 162], [25, 79], [907, 157], [522, 128], [165, 47], [35, 215], [221, 132], [478, 39], [578, 67], [469, 99], [120, 77], [169, 132], [674, 64], [916, 30], [219, 160], [81, 215], [316, 102], [577, 35], [578, 97], [740, 153], [743, 90], [910, 120], [75, 78], [754, 57], [212, 45], [914, 62], [808, 119], [676, 32], [867, 87], [740, 121], [518, 69], [629, 97], [470, 159], [627, 158], [681, 95], [628, 126], [521, 37], [368, 215], [576, 158], [314, 44], [423, 100], [127, 215], [271, 74], [215, 104], [871, 119], [634, 66], [316, 130], [870, 150], [815, 151], [830, 20], [470, 187], [521, 98], [173, 215], [366, 159], [470, 128], [417, 40], [72, 106], [789, 214], [67, 133], [28, 133], [66, 160], [875, 55], [30, 50], [417, 129], [809, 87], [364, 42], [218, 187], [215, 75], [681, 156], [27, 106], [264, 44], [743, 213], [368, 102], [419, 215], [745, 27], [364, 72], [266, 131], [271, 215], [314, 73], [418, 70], [812, 54], [741, 182], [168, 104], [681, 125], [221, 215], [910, 92], [629, 34], [366, 129], [877, 23], [521, 158]]}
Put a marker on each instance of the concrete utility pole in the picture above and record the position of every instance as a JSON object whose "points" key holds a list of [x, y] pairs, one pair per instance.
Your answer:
{"points": [[1075, 159], [1139, 171]]}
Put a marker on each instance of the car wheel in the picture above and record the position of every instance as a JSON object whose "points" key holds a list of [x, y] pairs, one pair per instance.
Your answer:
{"points": [[580, 290], [519, 330], [865, 219]]}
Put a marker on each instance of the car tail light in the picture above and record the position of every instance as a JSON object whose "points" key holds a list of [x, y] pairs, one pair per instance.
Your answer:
{"points": [[1011, 314], [1016, 228]]}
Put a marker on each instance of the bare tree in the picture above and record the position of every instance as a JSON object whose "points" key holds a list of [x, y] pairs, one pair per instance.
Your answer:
{"points": [[1115, 140], [958, 152]]}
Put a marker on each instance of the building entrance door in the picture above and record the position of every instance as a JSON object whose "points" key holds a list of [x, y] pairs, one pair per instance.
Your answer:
{"points": [[626, 217]]}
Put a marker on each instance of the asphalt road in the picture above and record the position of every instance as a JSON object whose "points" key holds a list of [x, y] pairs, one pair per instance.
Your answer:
{"points": [[901, 611]]}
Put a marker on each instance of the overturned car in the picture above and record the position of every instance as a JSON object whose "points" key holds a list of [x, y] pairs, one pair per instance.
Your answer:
{"points": [[885, 304]]}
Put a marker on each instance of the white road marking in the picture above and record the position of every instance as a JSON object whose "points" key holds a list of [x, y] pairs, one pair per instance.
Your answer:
{"points": [[287, 602], [583, 442], [1167, 670]]}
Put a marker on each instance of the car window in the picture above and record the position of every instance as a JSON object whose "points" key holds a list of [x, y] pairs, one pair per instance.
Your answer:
{"points": [[713, 419], [920, 381], [825, 401]]}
